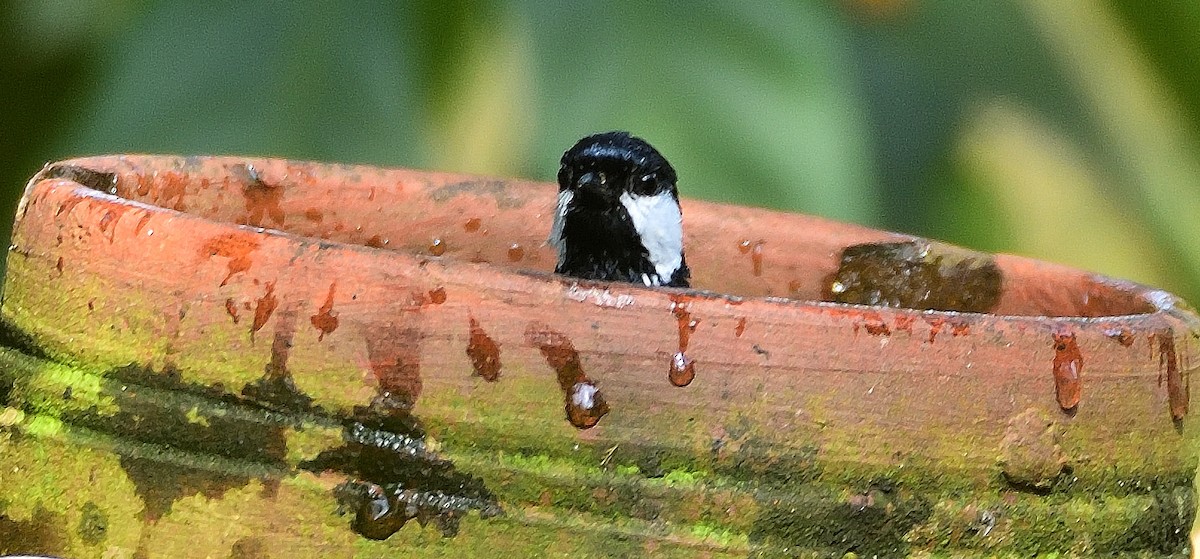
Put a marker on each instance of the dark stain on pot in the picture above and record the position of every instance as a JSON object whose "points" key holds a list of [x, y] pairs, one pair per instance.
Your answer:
{"points": [[40, 535], [915, 274], [756, 258], [93, 524], [437, 247], [172, 185], [106, 224], [59, 265], [262, 199], [232, 310], [872, 522], [1068, 370], [1177, 388], [394, 355], [744, 246], [96, 180], [249, 547], [177, 439], [904, 323], [263, 309], [325, 321], [682, 369], [1121, 335], [875, 325], [238, 247], [472, 225], [584, 403], [375, 241], [484, 352], [515, 253], [314, 215], [437, 295], [740, 328], [393, 477], [276, 389]]}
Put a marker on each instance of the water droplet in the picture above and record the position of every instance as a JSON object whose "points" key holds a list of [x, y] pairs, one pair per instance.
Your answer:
{"points": [[683, 370], [437, 247], [1068, 368], [515, 253], [756, 258], [586, 405], [744, 246]]}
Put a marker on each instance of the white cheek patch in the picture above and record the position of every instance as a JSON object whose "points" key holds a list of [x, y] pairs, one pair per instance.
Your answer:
{"points": [[560, 217], [659, 223]]}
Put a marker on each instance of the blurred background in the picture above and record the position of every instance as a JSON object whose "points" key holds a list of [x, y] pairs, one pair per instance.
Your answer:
{"points": [[1065, 130]]}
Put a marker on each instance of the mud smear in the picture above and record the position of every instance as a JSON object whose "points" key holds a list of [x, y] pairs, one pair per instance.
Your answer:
{"points": [[915, 275], [394, 353], [95, 180], [1178, 389], [395, 478], [263, 309], [484, 352], [1068, 370], [325, 321], [262, 199], [277, 389], [238, 247], [682, 369], [584, 403]]}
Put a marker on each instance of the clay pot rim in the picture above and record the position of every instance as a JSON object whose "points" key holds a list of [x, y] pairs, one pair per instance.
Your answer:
{"points": [[1161, 301]]}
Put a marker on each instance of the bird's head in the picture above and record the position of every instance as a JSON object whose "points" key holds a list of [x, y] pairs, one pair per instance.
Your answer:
{"points": [[598, 169]]}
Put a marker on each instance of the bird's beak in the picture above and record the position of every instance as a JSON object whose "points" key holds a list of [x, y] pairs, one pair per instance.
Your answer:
{"points": [[590, 189]]}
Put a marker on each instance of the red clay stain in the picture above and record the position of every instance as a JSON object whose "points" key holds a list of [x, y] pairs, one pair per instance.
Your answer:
{"points": [[935, 328], [262, 200], [682, 369], [484, 352], [172, 185], [141, 224], [262, 311], [375, 241], [59, 265], [1068, 370], [91, 304], [232, 310], [1177, 388], [584, 403], [904, 323], [144, 182], [515, 253], [472, 225], [756, 258], [437, 247], [875, 325], [795, 286], [394, 354], [1121, 335], [325, 320], [237, 247], [105, 223], [314, 215], [959, 329], [740, 328], [437, 295]]}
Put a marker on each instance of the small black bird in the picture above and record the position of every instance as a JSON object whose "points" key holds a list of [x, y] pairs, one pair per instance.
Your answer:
{"points": [[618, 215]]}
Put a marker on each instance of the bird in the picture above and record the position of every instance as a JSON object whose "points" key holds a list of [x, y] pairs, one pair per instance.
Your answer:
{"points": [[617, 216]]}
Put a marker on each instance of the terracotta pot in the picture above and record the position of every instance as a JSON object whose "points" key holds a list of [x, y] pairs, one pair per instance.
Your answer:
{"points": [[211, 353]]}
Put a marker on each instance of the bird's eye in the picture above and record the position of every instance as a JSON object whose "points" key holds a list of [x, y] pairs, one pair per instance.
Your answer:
{"points": [[645, 184]]}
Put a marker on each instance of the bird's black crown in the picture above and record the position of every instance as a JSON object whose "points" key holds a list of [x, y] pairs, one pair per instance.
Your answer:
{"points": [[635, 164]]}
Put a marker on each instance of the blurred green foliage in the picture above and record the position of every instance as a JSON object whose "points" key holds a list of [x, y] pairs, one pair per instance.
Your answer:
{"points": [[1060, 130]]}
